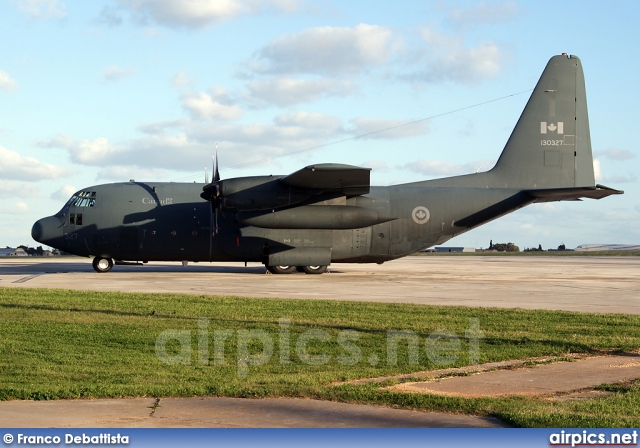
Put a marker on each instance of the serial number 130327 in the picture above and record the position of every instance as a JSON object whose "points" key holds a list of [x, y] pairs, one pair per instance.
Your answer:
{"points": [[551, 142]]}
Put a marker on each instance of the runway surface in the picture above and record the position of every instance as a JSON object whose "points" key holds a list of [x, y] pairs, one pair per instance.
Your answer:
{"points": [[585, 284]]}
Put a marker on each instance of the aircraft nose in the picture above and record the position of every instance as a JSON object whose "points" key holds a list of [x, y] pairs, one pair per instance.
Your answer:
{"points": [[47, 231]]}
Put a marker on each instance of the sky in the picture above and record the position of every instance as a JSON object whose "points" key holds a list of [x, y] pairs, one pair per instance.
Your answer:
{"points": [[112, 90]]}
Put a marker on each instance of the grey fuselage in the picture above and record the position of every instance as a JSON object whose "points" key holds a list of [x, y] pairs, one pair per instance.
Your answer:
{"points": [[169, 221]]}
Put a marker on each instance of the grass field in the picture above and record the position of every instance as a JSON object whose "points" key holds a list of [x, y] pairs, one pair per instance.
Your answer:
{"points": [[70, 344]]}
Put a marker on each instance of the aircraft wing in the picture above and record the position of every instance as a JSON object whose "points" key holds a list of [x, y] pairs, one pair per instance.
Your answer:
{"points": [[572, 194], [350, 180]]}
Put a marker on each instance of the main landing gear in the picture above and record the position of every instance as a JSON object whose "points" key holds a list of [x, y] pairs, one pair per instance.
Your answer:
{"points": [[102, 264], [290, 269]]}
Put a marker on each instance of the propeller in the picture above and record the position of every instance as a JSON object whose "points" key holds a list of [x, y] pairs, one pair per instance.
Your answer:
{"points": [[211, 192]]}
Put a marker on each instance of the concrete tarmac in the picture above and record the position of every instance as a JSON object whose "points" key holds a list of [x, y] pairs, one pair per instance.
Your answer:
{"points": [[213, 412], [552, 379], [586, 284]]}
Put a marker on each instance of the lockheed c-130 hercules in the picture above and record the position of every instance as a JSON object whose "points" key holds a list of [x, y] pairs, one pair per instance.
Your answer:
{"points": [[329, 213]]}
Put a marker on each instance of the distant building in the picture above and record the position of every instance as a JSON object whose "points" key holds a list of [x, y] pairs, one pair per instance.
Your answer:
{"points": [[5, 252], [595, 247], [454, 249], [12, 252]]}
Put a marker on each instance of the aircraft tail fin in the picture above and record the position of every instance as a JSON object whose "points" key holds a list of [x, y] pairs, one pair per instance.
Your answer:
{"points": [[550, 147]]}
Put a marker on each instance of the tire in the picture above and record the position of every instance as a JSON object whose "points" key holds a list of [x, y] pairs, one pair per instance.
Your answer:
{"points": [[281, 269], [102, 264], [314, 269]]}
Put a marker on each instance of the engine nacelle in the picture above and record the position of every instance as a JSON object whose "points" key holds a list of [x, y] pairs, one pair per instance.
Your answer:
{"points": [[255, 193]]}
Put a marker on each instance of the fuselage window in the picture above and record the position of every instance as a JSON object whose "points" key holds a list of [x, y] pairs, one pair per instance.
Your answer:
{"points": [[75, 219]]}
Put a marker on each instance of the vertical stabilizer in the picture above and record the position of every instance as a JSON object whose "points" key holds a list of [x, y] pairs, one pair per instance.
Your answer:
{"points": [[550, 147]]}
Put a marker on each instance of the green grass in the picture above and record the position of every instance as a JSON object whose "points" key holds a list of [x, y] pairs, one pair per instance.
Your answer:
{"points": [[70, 344]]}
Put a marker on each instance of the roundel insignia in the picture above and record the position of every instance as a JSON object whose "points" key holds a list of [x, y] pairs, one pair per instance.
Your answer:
{"points": [[420, 215]]}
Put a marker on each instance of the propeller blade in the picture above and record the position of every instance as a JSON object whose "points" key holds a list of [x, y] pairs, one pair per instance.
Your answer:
{"points": [[216, 173]]}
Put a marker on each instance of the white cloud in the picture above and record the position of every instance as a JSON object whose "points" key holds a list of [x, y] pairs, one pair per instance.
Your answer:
{"points": [[16, 167], [180, 79], [376, 165], [615, 154], [446, 58], [325, 50], [287, 91], [211, 106], [42, 9], [188, 145], [63, 193], [377, 128], [115, 73], [126, 173], [307, 125], [200, 13], [109, 16], [6, 82], [161, 127], [20, 207], [620, 178], [434, 167], [442, 168], [10, 190], [615, 178], [597, 170], [484, 13], [94, 151], [15, 208]]}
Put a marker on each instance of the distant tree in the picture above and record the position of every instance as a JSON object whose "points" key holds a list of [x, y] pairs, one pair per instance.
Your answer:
{"points": [[562, 247], [512, 248], [540, 247], [509, 247]]}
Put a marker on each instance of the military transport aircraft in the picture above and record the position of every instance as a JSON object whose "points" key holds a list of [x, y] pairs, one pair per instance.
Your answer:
{"points": [[329, 213]]}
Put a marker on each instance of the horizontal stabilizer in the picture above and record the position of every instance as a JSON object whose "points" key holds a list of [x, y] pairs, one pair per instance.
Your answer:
{"points": [[351, 180], [572, 194]]}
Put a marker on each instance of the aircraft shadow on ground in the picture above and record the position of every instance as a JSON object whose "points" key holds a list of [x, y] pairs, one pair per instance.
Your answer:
{"points": [[73, 267]]}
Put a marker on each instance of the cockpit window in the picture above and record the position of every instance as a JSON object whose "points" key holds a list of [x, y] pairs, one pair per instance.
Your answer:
{"points": [[82, 199]]}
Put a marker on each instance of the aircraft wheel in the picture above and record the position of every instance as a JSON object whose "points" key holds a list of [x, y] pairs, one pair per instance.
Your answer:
{"points": [[281, 269], [314, 269], [102, 264]]}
